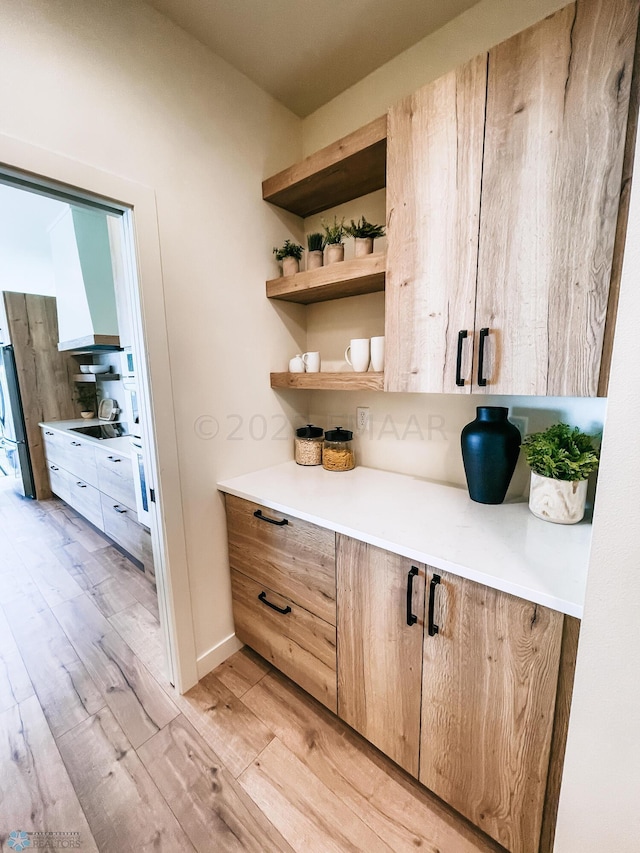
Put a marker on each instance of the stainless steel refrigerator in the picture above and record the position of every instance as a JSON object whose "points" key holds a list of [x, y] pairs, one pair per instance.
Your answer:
{"points": [[15, 460]]}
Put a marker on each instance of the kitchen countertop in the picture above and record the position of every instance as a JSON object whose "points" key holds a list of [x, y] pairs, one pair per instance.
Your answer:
{"points": [[504, 547], [122, 444]]}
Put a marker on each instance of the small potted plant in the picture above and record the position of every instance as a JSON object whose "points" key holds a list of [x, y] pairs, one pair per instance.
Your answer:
{"points": [[289, 255], [364, 233], [333, 235], [561, 459], [315, 250], [86, 399]]}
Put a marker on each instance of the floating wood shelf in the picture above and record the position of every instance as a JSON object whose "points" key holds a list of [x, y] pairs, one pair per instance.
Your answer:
{"points": [[351, 167], [92, 377], [329, 381], [345, 278]]}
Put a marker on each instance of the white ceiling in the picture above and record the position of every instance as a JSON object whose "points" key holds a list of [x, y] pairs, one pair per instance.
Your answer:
{"points": [[305, 52]]}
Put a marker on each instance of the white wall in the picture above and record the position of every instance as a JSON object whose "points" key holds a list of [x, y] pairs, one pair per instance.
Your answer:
{"points": [[114, 85]]}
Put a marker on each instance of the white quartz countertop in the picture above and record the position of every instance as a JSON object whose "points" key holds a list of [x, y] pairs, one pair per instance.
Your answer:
{"points": [[504, 547], [121, 445]]}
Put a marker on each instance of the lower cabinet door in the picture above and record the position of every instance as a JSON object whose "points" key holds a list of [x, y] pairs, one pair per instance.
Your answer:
{"points": [[84, 498], [58, 480], [490, 675], [380, 624], [297, 642], [121, 524]]}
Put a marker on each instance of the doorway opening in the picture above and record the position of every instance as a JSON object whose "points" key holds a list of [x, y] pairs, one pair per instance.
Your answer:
{"points": [[76, 422]]}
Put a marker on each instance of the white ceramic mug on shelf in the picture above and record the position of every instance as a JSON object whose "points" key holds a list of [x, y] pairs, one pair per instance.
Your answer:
{"points": [[311, 362], [377, 354], [357, 354], [296, 364]]}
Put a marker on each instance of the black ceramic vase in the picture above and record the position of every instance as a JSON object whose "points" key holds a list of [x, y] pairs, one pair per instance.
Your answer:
{"points": [[490, 448]]}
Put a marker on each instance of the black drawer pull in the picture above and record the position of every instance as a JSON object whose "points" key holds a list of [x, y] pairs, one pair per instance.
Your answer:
{"points": [[119, 509], [263, 598], [82, 485], [280, 523], [75, 444], [48, 433], [433, 628], [411, 617], [53, 468], [484, 334], [114, 459], [462, 334]]}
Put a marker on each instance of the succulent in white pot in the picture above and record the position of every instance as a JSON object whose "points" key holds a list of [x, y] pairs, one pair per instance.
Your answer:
{"points": [[289, 256], [333, 235], [561, 459], [364, 233]]}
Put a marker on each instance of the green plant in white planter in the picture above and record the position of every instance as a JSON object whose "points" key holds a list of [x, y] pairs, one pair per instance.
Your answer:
{"points": [[561, 459], [315, 250], [86, 399], [289, 255], [333, 235], [364, 233]]}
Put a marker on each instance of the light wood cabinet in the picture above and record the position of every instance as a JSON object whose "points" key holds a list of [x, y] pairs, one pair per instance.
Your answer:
{"points": [[489, 683], [121, 525], [513, 212], [380, 626], [115, 477]]}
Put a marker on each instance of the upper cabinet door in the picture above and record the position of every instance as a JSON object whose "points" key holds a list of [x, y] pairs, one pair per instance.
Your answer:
{"points": [[434, 173], [557, 106]]}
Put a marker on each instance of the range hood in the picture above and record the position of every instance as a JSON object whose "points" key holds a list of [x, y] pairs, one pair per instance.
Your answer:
{"points": [[85, 293]]}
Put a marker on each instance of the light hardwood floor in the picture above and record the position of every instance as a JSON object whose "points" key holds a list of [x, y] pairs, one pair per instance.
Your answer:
{"points": [[94, 740]]}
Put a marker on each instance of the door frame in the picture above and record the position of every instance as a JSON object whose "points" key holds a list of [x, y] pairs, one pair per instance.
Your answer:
{"points": [[137, 202]]}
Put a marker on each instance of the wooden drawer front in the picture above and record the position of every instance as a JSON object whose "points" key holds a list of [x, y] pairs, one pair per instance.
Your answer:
{"points": [[78, 458], [58, 480], [85, 499], [115, 478], [297, 643], [53, 446], [297, 559], [121, 525]]}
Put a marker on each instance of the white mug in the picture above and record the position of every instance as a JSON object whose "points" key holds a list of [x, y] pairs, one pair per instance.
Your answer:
{"points": [[357, 354], [377, 354], [311, 362], [296, 365]]}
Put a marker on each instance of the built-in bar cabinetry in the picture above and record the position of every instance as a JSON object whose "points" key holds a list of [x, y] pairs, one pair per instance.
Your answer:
{"points": [[506, 189], [98, 483]]}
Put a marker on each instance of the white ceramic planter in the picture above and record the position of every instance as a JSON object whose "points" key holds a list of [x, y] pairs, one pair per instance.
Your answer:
{"points": [[559, 501], [290, 266], [314, 260], [363, 246], [335, 253]]}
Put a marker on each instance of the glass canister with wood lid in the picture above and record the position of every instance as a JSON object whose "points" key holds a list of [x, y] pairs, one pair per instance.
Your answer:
{"points": [[337, 451]]}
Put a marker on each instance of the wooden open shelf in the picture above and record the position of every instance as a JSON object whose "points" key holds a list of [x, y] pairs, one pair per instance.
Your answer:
{"points": [[329, 381], [94, 377], [351, 167], [345, 278]]}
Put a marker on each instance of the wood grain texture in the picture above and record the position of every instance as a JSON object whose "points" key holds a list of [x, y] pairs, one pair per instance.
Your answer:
{"points": [[36, 794], [489, 691], [307, 813], [296, 560], [557, 107], [15, 684], [44, 374], [130, 576], [65, 690], [570, 635], [379, 655], [296, 642], [433, 208], [137, 701], [115, 477], [329, 381], [335, 281], [351, 167], [232, 731], [123, 806], [140, 629], [211, 807], [242, 671], [403, 814]]}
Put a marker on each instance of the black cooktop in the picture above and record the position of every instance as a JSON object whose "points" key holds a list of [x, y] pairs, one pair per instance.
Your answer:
{"points": [[110, 430]]}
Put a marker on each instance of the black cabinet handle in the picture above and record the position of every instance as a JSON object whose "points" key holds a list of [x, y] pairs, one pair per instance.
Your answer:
{"points": [[48, 432], [75, 444], [118, 509], [280, 523], [484, 334], [462, 334], [263, 598], [113, 459], [411, 617], [433, 628], [82, 485], [53, 468]]}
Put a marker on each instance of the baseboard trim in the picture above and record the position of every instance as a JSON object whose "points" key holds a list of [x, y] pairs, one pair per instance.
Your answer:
{"points": [[217, 654]]}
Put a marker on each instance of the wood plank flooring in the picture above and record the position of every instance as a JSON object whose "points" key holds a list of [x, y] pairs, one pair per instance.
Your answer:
{"points": [[94, 740]]}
